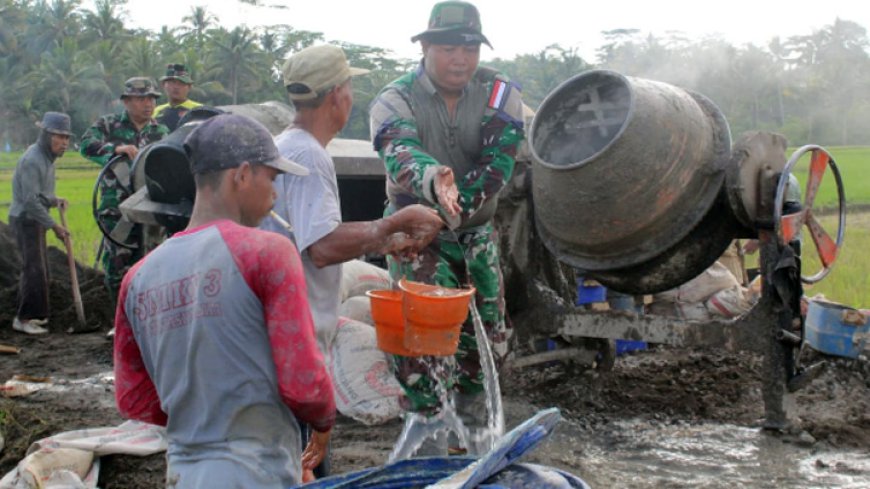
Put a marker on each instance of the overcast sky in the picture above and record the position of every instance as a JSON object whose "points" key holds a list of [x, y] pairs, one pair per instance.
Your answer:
{"points": [[572, 23]]}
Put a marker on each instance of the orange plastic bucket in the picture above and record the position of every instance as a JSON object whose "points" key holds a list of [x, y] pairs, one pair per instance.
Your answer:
{"points": [[389, 322], [433, 317]]}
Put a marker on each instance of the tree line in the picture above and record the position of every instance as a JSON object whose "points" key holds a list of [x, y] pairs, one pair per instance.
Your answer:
{"points": [[59, 55]]}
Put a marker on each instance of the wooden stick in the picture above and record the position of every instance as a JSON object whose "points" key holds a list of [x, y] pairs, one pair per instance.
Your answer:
{"points": [[9, 350], [73, 275]]}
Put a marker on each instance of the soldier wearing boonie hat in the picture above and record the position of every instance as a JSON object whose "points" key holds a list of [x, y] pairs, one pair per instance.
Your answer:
{"points": [[318, 83], [33, 185], [122, 135], [453, 23], [448, 133], [176, 83]]}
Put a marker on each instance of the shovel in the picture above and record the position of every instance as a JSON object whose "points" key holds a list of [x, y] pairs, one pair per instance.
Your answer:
{"points": [[71, 261]]}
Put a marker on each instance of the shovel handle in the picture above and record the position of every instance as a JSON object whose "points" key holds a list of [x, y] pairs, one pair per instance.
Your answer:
{"points": [[71, 261]]}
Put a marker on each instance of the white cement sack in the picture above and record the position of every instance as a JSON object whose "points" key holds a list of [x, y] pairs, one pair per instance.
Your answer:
{"points": [[69, 460], [729, 303], [365, 388], [702, 287], [357, 308], [359, 277], [692, 311]]}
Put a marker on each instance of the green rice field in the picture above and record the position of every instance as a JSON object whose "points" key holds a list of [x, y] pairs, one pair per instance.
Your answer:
{"points": [[849, 282]]}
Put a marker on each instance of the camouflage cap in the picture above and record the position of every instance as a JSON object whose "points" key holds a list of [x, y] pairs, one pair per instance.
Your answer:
{"points": [[453, 22], [177, 71], [139, 86]]}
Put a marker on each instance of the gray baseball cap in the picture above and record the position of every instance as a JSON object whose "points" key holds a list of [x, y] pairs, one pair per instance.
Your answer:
{"points": [[227, 140]]}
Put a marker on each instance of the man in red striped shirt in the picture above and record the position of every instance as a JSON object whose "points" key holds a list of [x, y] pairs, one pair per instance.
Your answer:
{"points": [[214, 337]]}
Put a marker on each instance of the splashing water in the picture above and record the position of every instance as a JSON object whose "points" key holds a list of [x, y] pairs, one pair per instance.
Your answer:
{"points": [[418, 427], [492, 389]]}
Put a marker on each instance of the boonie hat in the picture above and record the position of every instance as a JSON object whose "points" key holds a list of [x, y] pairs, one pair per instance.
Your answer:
{"points": [[56, 123], [227, 140], [139, 86], [177, 71], [455, 23], [317, 68]]}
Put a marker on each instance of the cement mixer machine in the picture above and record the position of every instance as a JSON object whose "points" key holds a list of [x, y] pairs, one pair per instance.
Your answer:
{"points": [[636, 183]]}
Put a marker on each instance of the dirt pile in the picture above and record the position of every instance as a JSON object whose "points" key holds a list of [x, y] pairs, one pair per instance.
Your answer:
{"points": [[99, 308]]}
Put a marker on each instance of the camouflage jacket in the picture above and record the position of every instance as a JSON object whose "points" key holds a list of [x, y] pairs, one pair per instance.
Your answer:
{"points": [[99, 141], [414, 134]]}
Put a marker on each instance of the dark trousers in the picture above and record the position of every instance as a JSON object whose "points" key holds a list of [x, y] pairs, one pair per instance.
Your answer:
{"points": [[33, 286]]}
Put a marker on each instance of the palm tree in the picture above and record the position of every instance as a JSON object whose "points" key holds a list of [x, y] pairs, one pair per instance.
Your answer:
{"points": [[68, 76], [167, 43], [141, 59], [200, 20], [106, 55], [49, 24], [236, 59], [106, 22], [12, 17]]}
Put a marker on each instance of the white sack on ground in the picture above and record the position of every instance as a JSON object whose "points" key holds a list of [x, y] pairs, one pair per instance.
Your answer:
{"points": [[700, 288], [359, 277], [357, 308], [729, 303], [65, 460], [365, 388]]}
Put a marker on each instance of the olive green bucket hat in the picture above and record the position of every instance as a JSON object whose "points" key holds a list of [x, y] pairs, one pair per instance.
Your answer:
{"points": [[139, 86], [453, 22]]}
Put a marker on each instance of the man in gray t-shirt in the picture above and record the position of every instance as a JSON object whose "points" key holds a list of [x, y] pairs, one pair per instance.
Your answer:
{"points": [[318, 81]]}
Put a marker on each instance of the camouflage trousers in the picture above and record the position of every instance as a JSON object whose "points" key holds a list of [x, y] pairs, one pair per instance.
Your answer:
{"points": [[116, 260], [454, 260]]}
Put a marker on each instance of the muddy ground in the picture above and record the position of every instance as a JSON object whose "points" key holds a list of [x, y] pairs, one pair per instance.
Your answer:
{"points": [[659, 386]]}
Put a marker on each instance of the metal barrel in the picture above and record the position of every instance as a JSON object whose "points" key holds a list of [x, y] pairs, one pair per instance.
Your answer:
{"points": [[624, 168]]}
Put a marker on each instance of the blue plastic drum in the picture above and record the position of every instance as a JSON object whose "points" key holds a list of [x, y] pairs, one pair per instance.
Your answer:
{"points": [[420, 472]]}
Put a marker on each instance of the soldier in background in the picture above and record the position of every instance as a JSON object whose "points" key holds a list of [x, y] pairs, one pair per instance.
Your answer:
{"points": [[176, 83], [32, 197], [122, 134]]}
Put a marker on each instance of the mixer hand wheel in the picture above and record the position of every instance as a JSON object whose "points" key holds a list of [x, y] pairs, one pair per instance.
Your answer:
{"points": [[788, 226], [114, 177]]}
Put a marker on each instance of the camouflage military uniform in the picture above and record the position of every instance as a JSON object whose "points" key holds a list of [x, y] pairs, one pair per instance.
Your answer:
{"points": [[98, 144], [414, 135]]}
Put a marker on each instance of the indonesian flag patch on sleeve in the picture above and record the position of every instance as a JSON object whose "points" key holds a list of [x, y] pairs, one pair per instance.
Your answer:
{"points": [[499, 95]]}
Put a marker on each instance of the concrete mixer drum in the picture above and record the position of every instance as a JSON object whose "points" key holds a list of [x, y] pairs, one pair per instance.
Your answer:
{"points": [[625, 169]]}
